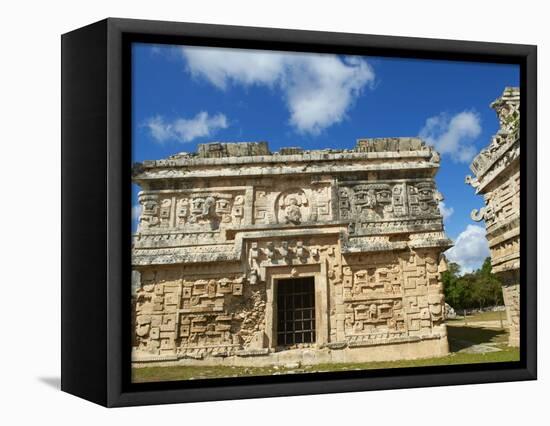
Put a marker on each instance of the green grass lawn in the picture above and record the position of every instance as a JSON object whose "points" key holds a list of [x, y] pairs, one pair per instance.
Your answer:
{"points": [[460, 338], [481, 316], [158, 374]]}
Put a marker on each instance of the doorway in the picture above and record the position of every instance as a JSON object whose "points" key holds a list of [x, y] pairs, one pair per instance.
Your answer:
{"points": [[295, 311]]}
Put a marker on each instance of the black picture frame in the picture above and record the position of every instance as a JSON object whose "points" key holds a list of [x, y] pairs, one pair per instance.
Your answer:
{"points": [[96, 143]]}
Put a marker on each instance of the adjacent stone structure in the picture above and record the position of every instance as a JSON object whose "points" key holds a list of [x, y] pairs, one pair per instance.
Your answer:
{"points": [[497, 174], [248, 257]]}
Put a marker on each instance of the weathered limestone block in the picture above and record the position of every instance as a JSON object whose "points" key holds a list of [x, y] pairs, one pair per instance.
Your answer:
{"points": [[510, 292], [256, 257], [497, 178]]}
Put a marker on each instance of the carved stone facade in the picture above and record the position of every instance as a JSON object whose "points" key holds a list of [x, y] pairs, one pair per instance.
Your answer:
{"points": [[221, 230], [497, 174]]}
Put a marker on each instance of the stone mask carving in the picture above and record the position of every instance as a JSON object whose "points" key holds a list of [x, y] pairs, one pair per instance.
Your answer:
{"points": [[292, 207]]}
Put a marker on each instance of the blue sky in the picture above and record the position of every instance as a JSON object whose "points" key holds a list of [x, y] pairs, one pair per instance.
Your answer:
{"points": [[183, 96]]}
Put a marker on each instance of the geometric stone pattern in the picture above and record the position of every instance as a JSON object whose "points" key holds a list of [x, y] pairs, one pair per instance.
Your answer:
{"points": [[497, 178], [219, 228]]}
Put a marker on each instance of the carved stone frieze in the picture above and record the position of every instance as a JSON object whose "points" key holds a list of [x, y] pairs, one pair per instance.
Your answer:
{"points": [[390, 205], [190, 211]]}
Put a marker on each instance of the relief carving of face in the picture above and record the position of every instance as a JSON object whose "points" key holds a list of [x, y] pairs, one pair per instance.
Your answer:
{"points": [[197, 205], [365, 198], [426, 196], [425, 193], [384, 196], [292, 213], [222, 206], [149, 214], [292, 207], [150, 208]]}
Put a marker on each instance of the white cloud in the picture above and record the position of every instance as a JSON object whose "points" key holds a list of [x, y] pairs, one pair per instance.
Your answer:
{"points": [[136, 211], [224, 66], [318, 89], [185, 130], [470, 249], [454, 135], [446, 212]]}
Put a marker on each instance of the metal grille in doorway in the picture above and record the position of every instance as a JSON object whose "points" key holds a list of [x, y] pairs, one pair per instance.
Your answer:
{"points": [[295, 311]]}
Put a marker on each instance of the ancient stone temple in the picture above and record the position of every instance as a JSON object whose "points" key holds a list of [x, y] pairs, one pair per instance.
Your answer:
{"points": [[496, 171], [252, 257]]}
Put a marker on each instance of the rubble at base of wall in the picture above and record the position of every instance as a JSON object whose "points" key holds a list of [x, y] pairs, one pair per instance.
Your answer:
{"points": [[341, 352]]}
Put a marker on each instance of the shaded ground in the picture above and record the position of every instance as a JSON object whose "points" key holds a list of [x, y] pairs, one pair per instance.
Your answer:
{"points": [[462, 337], [469, 344]]}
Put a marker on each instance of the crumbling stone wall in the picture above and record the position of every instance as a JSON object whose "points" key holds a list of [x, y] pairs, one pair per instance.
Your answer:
{"points": [[497, 177], [221, 227]]}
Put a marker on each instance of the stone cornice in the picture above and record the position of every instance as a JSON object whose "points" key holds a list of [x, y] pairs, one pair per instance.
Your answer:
{"points": [[283, 168], [343, 165], [306, 157], [369, 155]]}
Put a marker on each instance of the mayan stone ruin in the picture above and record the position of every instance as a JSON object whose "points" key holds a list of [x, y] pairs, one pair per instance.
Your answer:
{"points": [[252, 257], [496, 171]]}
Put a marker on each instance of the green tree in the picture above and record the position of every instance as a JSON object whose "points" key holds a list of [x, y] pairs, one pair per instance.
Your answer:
{"points": [[452, 289], [490, 284], [478, 289]]}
